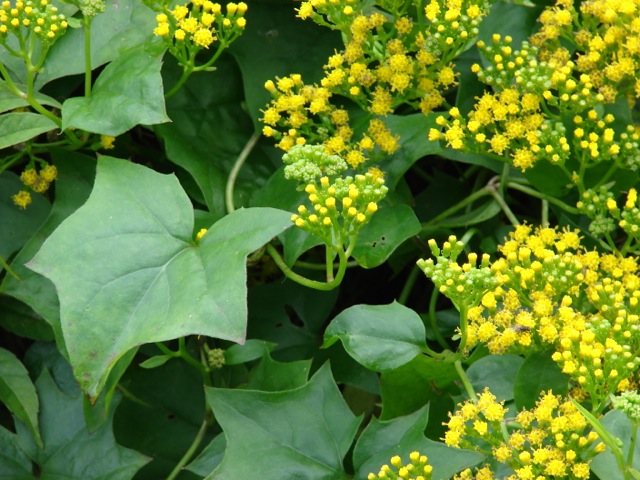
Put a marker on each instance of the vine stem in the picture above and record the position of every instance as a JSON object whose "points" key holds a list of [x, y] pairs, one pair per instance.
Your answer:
{"points": [[190, 451], [87, 56], [465, 381], [237, 166], [290, 274]]}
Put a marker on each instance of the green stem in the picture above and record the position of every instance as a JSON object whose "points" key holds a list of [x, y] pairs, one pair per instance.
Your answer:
{"points": [[290, 274], [328, 261], [187, 70], [322, 266], [505, 208], [544, 214], [465, 381], [632, 445], [191, 450], [534, 193], [433, 320], [9, 270], [408, 285], [458, 206], [233, 175], [87, 56], [186, 356]]}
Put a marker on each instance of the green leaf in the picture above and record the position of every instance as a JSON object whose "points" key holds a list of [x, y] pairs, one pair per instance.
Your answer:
{"points": [[155, 361], [381, 440], [482, 213], [290, 315], [538, 373], [251, 350], [518, 21], [161, 415], [210, 457], [21, 320], [11, 101], [18, 393], [273, 376], [125, 24], [128, 92], [73, 185], [430, 382], [71, 450], [16, 127], [159, 285], [619, 426], [209, 131], [413, 130], [498, 372], [300, 433], [389, 227], [18, 225], [380, 337], [275, 32], [14, 463]]}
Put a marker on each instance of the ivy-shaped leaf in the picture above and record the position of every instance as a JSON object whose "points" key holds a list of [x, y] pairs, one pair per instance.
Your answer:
{"points": [[299, 433], [71, 450], [383, 439], [128, 271]]}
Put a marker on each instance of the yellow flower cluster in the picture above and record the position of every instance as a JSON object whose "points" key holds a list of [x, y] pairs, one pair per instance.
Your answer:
{"points": [[526, 119], [416, 469], [301, 114], [22, 17], [552, 292], [38, 182], [552, 440], [340, 208], [202, 24], [606, 37], [387, 62]]}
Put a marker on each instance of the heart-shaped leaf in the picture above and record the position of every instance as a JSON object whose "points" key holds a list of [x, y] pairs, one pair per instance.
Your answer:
{"points": [[136, 276], [380, 337]]}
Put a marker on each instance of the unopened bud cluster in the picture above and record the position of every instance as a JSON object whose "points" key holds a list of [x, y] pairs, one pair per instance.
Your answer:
{"points": [[307, 163], [463, 284], [339, 208], [416, 469]]}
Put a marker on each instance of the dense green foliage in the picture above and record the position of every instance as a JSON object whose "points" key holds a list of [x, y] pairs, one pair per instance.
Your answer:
{"points": [[323, 240]]}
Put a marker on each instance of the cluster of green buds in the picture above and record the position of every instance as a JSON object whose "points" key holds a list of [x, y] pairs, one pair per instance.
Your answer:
{"points": [[35, 181], [595, 205], [306, 163], [215, 357], [463, 284], [340, 205], [629, 217], [629, 403], [23, 18], [416, 469]]}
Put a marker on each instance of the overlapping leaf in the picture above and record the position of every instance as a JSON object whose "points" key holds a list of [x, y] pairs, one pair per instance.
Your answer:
{"points": [[136, 275], [299, 433]]}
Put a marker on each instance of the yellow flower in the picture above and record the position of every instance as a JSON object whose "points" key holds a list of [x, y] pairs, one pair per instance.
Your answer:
{"points": [[22, 199]]}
